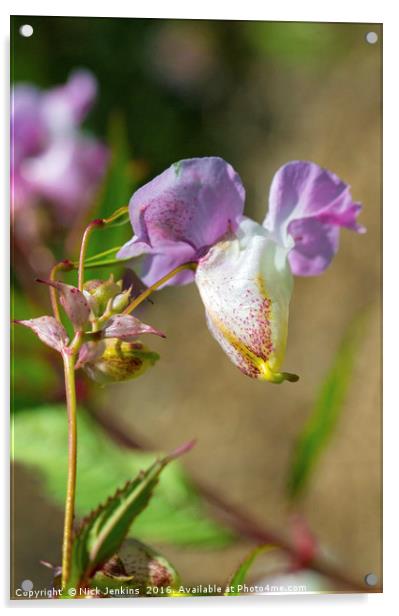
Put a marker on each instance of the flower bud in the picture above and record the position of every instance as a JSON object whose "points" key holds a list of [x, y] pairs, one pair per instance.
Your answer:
{"points": [[120, 361], [121, 301], [137, 566], [99, 292]]}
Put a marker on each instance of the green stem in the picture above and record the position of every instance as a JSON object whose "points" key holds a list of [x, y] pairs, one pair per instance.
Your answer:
{"points": [[63, 266], [191, 265], [110, 251], [83, 249], [98, 222], [69, 371], [89, 265]]}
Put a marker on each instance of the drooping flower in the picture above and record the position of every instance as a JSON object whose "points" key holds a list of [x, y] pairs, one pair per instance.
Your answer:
{"points": [[244, 269], [52, 160]]}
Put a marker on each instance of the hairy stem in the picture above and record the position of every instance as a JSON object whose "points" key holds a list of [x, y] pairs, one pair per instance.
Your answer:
{"points": [[138, 300], [70, 390]]}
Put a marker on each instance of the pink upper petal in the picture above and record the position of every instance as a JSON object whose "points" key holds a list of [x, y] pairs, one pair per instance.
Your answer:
{"points": [[315, 246], [190, 205], [307, 206]]}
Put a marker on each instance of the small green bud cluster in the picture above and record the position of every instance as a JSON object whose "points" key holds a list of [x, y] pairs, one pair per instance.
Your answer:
{"points": [[105, 297]]}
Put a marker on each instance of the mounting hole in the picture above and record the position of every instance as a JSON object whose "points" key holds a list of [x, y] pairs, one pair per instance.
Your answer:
{"points": [[27, 585], [26, 30], [372, 37], [371, 579]]}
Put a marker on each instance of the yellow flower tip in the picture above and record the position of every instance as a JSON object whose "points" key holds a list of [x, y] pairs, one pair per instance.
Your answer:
{"points": [[267, 374]]}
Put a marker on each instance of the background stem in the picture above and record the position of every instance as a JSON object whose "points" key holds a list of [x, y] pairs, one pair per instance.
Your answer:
{"points": [[70, 390]]}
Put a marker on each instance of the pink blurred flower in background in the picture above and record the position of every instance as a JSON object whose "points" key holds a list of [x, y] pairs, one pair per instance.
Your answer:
{"points": [[52, 159]]}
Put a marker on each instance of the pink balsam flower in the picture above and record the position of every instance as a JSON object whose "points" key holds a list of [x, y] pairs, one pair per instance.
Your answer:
{"points": [[52, 159], [194, 212]]}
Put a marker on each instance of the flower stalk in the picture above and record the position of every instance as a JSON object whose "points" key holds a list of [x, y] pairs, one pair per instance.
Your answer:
{"points": [[70, 390], [63, 266], [98, 222], [94, 224], [140, 298]]}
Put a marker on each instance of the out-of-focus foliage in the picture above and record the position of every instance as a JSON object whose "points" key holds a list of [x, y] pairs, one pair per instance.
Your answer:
{"points": [[176, 513], [175, 81], [116, 193], [240, 575], [33, 378], [296, 43], [326, 411]]}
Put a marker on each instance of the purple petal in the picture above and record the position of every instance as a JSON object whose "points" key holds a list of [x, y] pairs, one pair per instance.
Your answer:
{"points": [[67, 173], [51, 159], [73, 301], [64, 107], [28, 132], [302, 192], [191, 204], [158, 262], [315, 246], [49, 330], [128, 328]]}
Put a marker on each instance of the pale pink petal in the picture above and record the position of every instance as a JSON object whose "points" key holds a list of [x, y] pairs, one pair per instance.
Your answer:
{"points": [[73, 301], [128, 328]]}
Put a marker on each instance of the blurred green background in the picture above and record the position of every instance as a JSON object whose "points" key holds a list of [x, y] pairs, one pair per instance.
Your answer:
{"points": [[257, 94]]}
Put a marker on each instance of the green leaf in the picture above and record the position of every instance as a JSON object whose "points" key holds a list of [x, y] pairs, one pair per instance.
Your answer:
{"points": [[326, 411], [101, 534], [240, 576], [176, 514]]}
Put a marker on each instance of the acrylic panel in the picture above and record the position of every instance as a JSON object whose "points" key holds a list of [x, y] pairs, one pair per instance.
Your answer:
{"points": [[196, 252]]}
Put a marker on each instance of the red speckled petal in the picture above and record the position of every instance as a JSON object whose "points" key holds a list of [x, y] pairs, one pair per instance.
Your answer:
{"points": [[245, 284]]}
